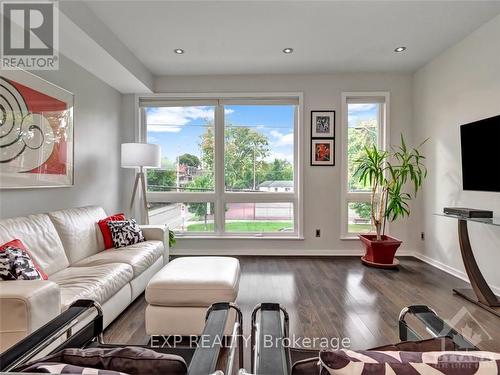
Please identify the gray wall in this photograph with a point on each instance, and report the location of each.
(460, 86)
(322, 185)
(97, 142)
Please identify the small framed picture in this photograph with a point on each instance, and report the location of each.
(322, 124)
(322, 152)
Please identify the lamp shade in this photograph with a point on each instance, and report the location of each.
(141, 155)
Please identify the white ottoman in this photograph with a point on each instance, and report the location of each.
(179, 294)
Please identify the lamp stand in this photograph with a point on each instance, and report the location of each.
(140, 179)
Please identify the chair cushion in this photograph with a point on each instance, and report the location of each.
(376, 362)
(429, 345)
(56, 368)
(140, 256)
(195, 281)
(129, 359)
(79, 232)
(98, 283)
(38, 235)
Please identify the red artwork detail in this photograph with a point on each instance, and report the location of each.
(48, 107)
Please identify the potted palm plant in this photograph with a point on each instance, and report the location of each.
(387, 173)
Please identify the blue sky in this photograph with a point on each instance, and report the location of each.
(360, 112)
(178, 129)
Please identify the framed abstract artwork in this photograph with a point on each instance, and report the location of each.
(36, 132)
(322, 124)
(322, 152)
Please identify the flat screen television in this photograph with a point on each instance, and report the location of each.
(480, 142)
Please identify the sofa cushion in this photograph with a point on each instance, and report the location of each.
(140, 256)
(97, 283)
(79, 232)
(39, 235)
(195, 281)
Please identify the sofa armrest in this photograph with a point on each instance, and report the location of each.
(26, 305)
(158, 233)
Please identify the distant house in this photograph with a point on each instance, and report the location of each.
(276, 186)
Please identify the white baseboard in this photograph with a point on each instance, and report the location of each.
(450, 270)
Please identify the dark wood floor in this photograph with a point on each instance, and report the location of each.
(339, 297)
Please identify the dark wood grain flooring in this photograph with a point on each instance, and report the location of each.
(339, 297)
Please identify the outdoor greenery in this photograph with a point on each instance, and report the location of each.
(189, 160)
(171, 238)
(244, 226)
(246, 153)
(387, 173)
(246, 159)
(364, 133)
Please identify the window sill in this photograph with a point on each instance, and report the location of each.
(349, 238)
(238, 237)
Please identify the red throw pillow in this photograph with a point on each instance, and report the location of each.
(106, 234)
(24, 263)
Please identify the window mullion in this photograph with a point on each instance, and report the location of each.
(219, 169)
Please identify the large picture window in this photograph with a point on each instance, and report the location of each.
(365, 123)
(230, 166)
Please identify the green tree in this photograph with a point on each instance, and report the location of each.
(245, 151)
(189, 160)
(363, 209)
(278, 170)
(362, 135)
(160, 179)
(200, 210)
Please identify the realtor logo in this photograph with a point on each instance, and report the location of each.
(30, 37)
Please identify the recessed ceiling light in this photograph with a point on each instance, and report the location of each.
(288, 50)
(179, 51)
(400, 49)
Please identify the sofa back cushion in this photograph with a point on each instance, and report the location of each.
(39, 235)
(79, 232)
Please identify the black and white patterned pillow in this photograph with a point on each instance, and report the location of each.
(125, 233)
(340, 362)
(16, 264)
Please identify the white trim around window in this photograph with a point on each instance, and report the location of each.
(219, 195)
(346, 196)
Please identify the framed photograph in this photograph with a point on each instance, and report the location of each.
(322, 152)
(36, 132)
(322, 124)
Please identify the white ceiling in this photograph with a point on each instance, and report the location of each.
(247, 37)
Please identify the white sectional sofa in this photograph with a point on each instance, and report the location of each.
(68, 246)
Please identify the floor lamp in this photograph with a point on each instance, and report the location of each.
(140, 155)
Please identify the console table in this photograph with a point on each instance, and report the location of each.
(480, 294)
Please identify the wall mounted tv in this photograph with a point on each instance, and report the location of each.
(480, 143)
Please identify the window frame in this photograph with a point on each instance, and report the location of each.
(383, 142)
(219, 196)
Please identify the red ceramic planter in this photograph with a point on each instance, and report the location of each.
(380, 253)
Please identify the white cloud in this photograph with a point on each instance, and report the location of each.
(281, 139)
(228, 111)
(361, 107)
(171, 119)
(164, 129)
